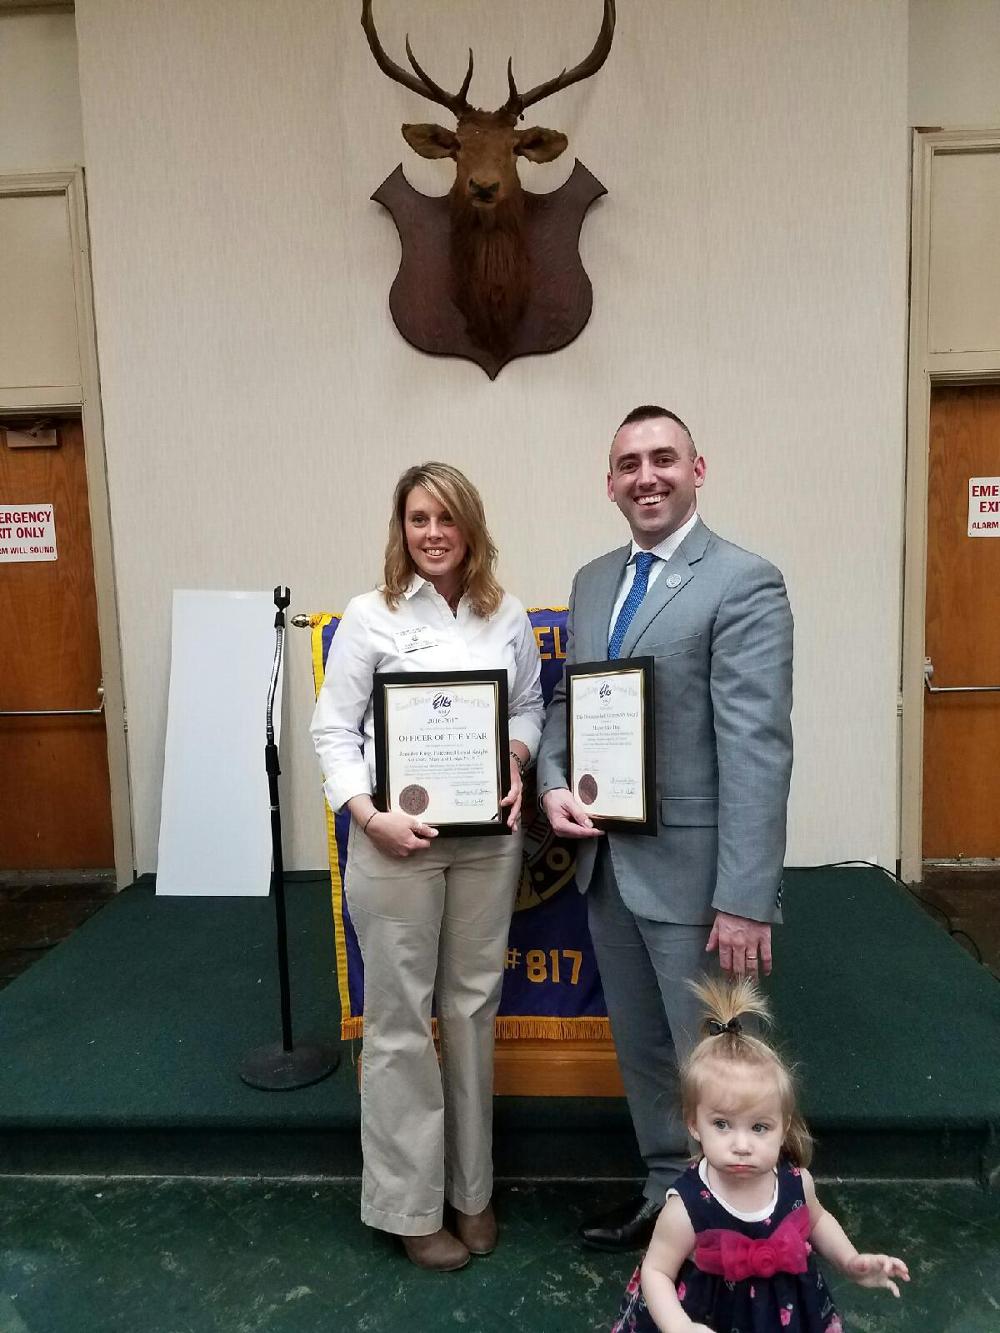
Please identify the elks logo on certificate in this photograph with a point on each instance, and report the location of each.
(441, 748)
(611, 742)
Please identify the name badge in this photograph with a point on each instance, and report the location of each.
(411, 640)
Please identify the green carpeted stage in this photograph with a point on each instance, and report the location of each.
(120, 1047)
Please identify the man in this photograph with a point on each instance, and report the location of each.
(717, 622)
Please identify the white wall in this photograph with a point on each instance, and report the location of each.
(40, 125)
(749, 267)
(955, 63)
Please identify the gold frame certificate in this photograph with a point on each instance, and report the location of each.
(611, 742)
(442, 749)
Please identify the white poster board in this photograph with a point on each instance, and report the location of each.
(984, 506)
(215, 822)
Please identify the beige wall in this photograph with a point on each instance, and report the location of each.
(749, 267)
(954, 63)
(40, 127)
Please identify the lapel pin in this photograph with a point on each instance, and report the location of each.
(673, 580)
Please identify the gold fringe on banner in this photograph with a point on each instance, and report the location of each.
(516, 1025)
(554, 1029)
(350, 1024)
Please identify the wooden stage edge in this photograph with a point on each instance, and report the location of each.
(539, 1068)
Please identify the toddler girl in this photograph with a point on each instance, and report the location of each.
(734, 1247)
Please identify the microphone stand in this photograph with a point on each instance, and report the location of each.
(282, 1065)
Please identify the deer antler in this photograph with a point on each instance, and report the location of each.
(423, 84)
(518, 102)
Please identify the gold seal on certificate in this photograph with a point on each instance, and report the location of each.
(610, 742)
(441, 748)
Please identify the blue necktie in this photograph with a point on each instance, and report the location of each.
(640, 582)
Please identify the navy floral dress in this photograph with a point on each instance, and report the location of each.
(744, 1277)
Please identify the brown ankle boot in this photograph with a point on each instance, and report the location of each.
(478, 1231)
(440, 1252)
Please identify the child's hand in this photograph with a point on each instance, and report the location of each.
(877, 1270)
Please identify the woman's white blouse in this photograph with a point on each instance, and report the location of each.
(372, 638)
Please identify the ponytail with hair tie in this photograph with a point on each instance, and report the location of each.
(717, 1029)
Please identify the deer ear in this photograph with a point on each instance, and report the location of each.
(539, 145)
(431, 140)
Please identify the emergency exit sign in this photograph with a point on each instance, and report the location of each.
(27, 532)
(984, 506)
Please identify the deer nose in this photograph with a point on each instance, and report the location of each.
(487, 193)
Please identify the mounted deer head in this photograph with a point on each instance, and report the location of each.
(491, 282)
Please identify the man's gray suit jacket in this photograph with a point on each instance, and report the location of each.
(718, 623)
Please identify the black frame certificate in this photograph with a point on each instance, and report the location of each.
(442, 748)
(611, 742)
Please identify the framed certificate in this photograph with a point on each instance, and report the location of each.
(611, 743)
(441, 748)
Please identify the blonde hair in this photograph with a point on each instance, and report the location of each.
(727, 1049)
(452, 490)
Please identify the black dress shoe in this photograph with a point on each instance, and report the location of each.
(628, 1227)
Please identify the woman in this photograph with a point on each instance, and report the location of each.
(431, 914)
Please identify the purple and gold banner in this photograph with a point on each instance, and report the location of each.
(551, 987)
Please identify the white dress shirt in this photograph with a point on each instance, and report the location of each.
(373, 638)
(663, 552)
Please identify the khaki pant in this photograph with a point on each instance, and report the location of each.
(431, 925)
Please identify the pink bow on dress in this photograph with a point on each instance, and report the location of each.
(735, 1256)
